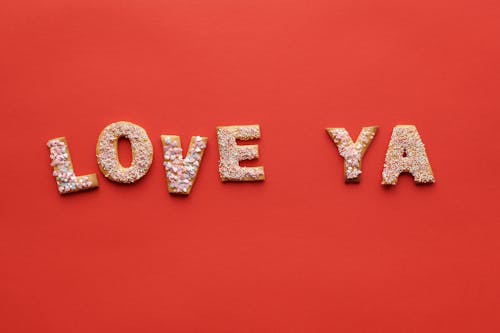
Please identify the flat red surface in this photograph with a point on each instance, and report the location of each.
(301, 252)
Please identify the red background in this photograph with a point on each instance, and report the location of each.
(301, 252)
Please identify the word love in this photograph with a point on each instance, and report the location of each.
(406, 153)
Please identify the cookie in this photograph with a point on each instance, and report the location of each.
(107, 152)
(352, 152)
(67, 181)
(406, 153)
(181, 172)
(231, 153)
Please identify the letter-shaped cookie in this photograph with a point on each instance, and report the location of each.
(231, 153)
(181, 173)
(406, 153)
(352, 152)
(107, 153)
(66, 179)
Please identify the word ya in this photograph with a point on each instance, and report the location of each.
(406, 153)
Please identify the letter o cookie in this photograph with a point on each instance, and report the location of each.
(107, 152)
